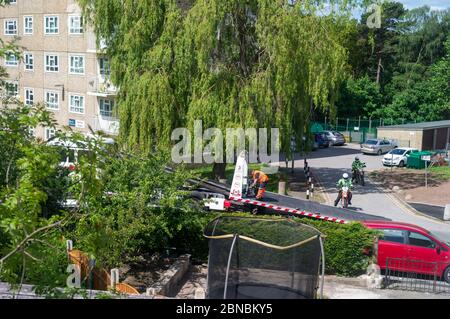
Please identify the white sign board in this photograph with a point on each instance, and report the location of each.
(240, 177)
(426, 158)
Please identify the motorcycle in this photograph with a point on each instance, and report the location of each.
(359, 176)
(344, 197)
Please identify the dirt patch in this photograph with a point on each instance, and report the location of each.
(145, 271)
(411, 185)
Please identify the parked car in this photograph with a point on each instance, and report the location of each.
(335, 137)
(413, 247)
(321, 140)
(398, 157)
(377, 146)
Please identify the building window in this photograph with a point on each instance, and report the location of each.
(76, 64)
(29, 61)
(52, 100)
(49, 133)
(11, 59)
(28, 25)
(29, 96)
(75, 25)
(76, 104)
(105, 69)
(51, 25)
(32, 131)
(106, 107)
(12, 89)
(51, 63)
(10, 27)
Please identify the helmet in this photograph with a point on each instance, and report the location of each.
(345, 176)
(356, 158)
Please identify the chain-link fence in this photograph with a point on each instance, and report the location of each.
(358, 130)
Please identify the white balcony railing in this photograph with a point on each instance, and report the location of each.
(100, 86)
(109, 125)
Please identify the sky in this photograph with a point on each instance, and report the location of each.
(411, 4)
(434, 4)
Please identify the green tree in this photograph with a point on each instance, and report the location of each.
(228, 63)
(360, 96)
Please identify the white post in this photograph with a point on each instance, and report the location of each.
(114, 277)
(447, 212)
(69, 245)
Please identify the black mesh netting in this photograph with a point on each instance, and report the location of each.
(270, 259)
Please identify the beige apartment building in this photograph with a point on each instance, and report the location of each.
(61, 65)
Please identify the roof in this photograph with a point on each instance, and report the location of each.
(418, 126)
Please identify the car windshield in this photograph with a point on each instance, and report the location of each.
(337, 133)
(371, 142)
(397, 151)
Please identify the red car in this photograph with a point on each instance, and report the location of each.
(414, 248)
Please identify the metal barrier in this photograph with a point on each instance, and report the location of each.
(415, 275)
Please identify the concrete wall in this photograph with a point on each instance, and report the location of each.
(404, 138)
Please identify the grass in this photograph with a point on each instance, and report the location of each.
(442, 172)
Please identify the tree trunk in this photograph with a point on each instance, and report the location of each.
(379, 70)
(219, 170)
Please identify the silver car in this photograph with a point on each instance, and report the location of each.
(377, 146)
(334, 137)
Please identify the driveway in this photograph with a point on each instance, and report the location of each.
(328, 165)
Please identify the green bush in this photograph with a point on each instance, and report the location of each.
(344, 245)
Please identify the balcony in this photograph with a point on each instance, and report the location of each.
(92, 44)
(101, 87)
(108, 125)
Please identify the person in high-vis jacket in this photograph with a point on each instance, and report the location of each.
(261, 179)
(344, 182)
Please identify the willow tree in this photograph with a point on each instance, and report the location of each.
(228, 63)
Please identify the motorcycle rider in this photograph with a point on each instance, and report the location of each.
(344, 182)
(356, 166)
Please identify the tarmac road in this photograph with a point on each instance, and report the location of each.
(328, 165)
